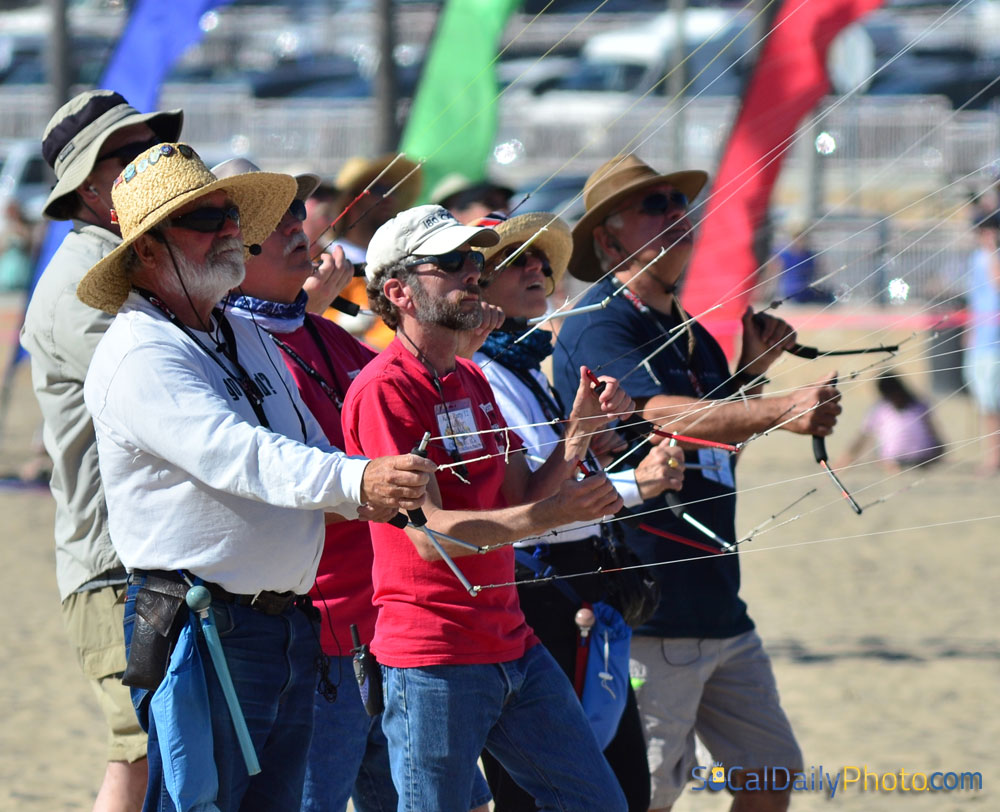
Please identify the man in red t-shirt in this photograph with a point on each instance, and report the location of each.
(464, 671)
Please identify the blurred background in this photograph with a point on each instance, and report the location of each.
(292, 85)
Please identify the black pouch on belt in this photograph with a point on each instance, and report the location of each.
(368, 673)
(159, 617)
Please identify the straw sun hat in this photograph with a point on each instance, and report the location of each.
(158, 183)
(556, 240)
(604, 190)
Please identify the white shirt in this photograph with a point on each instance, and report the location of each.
(192, 480)
(524, 414)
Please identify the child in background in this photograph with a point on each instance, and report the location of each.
(898, 427)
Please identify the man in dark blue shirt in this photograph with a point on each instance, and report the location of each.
(700, 665)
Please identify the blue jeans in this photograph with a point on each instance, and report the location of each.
(349, 755)
(272, 660)
(439, 718)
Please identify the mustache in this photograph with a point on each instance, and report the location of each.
(298, 240)
(223, 246)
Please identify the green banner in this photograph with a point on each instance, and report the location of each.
(453, 120)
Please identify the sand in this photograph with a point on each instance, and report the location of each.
(881, 627)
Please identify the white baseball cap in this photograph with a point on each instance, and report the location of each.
(422, 231)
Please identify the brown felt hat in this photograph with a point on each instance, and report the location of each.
(605, 189)
(162, 180)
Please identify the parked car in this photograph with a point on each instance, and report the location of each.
(25, 177)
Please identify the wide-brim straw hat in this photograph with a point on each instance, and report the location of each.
(358, 173)
(605, 189)
(157, 184)
(554, 238)
(77, 131)
(306, 182)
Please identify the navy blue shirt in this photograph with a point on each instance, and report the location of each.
(699, 598)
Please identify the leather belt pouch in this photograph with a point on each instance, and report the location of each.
(159, 617)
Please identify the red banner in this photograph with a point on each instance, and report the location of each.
(788, 81)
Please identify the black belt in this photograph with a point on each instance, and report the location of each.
(266, 601)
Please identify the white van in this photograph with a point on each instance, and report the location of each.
(717, 47)
(618, 66)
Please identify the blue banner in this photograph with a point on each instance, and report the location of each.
(155, 37)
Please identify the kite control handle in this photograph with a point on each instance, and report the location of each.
(417, 516)
(599, 385)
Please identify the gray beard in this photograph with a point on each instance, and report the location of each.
(211, 281)
(443, 312)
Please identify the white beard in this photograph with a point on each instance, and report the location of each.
(222, 271)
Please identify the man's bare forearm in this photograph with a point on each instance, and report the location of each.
(724, 421)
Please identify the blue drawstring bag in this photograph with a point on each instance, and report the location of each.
(606, 680)
(605, 686)
(180, 710)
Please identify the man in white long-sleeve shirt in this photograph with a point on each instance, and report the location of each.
(214, 470)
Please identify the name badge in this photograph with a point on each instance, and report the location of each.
(457, 425)
(717, 466)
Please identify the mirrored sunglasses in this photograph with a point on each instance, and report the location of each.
(452, 262)
(207, 220)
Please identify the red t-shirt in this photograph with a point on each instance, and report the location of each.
(343, 590)
(425, 615)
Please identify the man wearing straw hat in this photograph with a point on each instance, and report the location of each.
(462, 670)
(371, 191)
(87, 142)
(698, 664)
(214, 470)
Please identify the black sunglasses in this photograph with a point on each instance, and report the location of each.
(297, 209)
(129, 152)
(452, 262)
(659, 203)
(207, 220)
(521, 260)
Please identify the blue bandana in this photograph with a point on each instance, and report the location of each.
(276, 317)
(527, 354)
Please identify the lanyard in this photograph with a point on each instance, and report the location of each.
(228, 348)
(330, 388)
(687, 362)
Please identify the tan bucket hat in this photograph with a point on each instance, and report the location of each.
(306, 182)
(556, 240)
(76, 132)
(605, 188)
(159, 182)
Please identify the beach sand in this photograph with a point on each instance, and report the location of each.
(880, 626)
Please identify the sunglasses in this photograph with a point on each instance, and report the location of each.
(128, 153)
(452, 262)
(207, 220)
(521, 260)
(297, 209)
(659, 203)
